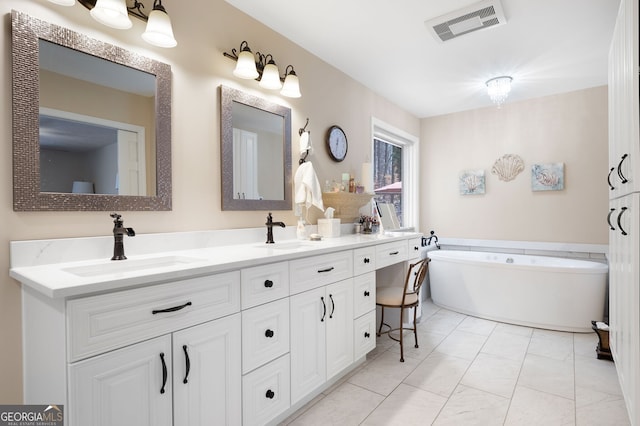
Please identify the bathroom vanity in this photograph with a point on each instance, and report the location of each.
(199, 335)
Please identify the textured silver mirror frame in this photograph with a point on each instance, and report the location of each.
(26, 31)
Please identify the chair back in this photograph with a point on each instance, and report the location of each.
(416, 275)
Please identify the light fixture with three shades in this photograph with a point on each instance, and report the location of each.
(265, 70)
(115, 14)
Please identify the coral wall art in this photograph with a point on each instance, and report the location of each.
(547, 177)
(472, 182)
(508, 167)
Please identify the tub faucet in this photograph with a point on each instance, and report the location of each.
(428, 240)
(270, 224)
(119, 231)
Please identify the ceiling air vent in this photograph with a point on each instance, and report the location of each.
(478, 16)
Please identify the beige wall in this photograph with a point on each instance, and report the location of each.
(204, 29)
(569, 128)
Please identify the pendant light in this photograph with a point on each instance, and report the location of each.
(112, 13)
(291, 87)
(270, 75)
(159, 31)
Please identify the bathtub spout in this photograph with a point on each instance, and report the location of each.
(427, 241)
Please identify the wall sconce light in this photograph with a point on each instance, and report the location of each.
(115, 14)
(265, 70)
(498, 89)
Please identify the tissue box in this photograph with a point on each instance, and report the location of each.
(329, 228)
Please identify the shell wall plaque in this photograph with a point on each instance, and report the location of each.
(508, 167)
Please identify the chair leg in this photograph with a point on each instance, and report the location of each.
(415, 329)
(401, 333)
(381, 320)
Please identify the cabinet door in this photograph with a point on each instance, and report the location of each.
(207, 377)
(624, 300)
(309, 316)
(339, 326)
(624, 144)
(126, 387)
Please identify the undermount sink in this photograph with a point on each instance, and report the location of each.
(128, 265)
(289, 245)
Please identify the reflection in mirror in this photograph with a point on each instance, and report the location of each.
(107, 147)
(92, 127)
(256, 152)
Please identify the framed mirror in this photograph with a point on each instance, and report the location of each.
(91, 123)
(255, 152)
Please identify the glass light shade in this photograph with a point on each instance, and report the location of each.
(112, 13)
(291, 87)
(246, 66)
(498, 89)
(159, 31)
(64, 2)
(270, 77)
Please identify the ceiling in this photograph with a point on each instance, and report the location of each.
(547, 46)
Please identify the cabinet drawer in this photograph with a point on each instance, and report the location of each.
(364, 260)
(364, 334)
(413, 248)
(265, 334)
(316, 271)
(390, 253)
(266, 392)
(364, 294)
(100, 323)
(264, 283)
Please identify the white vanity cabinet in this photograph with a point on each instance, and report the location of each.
(191, 376)
(321, 336)
(245, 340)
(265, 342)
(127, 353)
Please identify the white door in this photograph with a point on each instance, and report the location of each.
(308, 342)
(339, 326)
(207, 374)
(132, 179)
(126, 387)
(245, 165)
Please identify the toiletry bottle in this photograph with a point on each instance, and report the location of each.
(301, 230)
(352, 184)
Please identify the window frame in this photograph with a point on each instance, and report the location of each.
(410, 159)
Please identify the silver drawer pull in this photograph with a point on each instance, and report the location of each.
(173, 309)
(326, 270)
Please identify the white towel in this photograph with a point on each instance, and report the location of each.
(307, 189)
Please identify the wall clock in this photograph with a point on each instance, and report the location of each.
(337, 143)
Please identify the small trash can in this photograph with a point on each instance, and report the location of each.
(602, 330)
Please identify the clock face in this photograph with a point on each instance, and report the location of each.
(337, 143)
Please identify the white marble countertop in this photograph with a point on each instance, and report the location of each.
(68, 268)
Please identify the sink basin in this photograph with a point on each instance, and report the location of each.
(120, 266)
(289, 245)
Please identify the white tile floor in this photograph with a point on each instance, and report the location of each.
(470, 371)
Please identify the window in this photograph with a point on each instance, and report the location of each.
(395, 171)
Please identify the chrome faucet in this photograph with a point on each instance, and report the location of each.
(427, 241)
(270, 224)
(118, 235)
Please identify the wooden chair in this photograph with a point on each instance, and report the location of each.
(406, 297)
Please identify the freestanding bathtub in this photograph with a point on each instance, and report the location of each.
(535, 291)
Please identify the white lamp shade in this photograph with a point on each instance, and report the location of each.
(291, 87)
(82, 187)
(112, 13)
(270, 77)
(159, 31)
(64, 2)
(246, 66)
